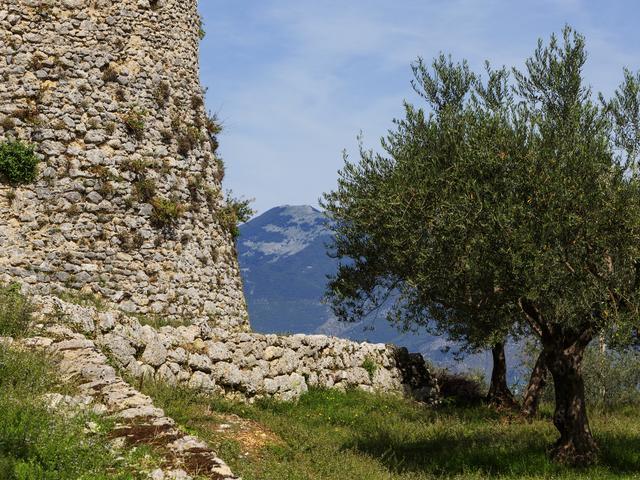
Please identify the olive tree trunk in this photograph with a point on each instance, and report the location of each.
(576, 445)
(499, 393)
(535, 388)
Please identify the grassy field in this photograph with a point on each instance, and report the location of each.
(354, 435)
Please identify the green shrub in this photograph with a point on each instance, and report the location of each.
(611, 377)
(462, 389)
(134, 121)
(18, 162)
(235, 212)
(166, 213)
(145, 189)
(15, 311)
(370, 366)
(22, 372)
(137, 166)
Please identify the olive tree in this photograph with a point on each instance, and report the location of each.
(510, 205)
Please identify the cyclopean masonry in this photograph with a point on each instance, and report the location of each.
(128, 201)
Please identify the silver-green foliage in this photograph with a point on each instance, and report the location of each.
(510, 203)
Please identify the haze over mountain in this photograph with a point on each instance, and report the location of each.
(284, 267)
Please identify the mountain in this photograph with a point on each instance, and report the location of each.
(284, 265)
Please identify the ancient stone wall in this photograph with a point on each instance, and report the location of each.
(128, 200)
(128, 205)
(245, 366)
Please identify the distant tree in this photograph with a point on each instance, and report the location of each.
(511, 207)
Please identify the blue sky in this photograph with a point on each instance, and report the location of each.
(295, 81)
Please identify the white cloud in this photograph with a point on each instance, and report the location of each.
(299, 79)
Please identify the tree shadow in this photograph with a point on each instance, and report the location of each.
(511, 449)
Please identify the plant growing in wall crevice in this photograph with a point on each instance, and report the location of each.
(166, 213)
(162, 93)
(194, 185)
(201, 32)
(28, 114)
(109, 74)
(134, 121)
(370, 366)
(214, 128)
(220, 169)
(18, 163)
(188, 139)
(7, 124)
(234, 212)
(145, 189)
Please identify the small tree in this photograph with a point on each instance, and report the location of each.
(513, 207)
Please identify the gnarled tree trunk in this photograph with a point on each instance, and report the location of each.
(533, 392)
(576, 445)
(499, 393)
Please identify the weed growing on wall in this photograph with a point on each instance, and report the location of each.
(370, 366)
(235, 212)
(134, 121)
(18, 162)
(166, 213)
(15, 311)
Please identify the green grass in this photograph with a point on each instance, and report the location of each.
(354, 435)
(84, 299)
(37, 443)
(15, 311)
(158, 321)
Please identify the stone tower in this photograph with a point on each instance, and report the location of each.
(128, 201)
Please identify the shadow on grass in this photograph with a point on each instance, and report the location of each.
(493, 449)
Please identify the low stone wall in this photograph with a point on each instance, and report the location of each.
(246, 366)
